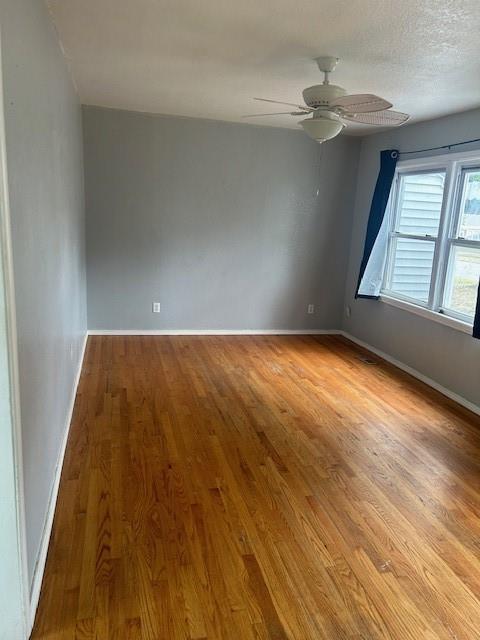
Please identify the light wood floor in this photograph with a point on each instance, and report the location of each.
(262, 488)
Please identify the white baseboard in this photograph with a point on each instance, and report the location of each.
(211, 332)
(416, 374)
(47, 529)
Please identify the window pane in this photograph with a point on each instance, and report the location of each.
(462, 280)
(420, 203)
(412, 268)
(470, 206)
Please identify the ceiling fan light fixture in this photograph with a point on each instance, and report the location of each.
(322, 128)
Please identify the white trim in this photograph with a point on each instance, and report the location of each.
(423, 312)
(416, 374)
(47, 529)
(11, 331)
(210, 332)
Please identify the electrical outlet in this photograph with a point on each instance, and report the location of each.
(156, 307)
(348, 311)
(311, 308)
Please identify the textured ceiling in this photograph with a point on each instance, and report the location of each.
(207, 58)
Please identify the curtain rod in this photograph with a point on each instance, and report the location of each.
(445, 146)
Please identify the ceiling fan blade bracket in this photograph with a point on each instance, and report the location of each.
(276, 113)
(287, 104)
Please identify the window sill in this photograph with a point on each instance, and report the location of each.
(427, 313)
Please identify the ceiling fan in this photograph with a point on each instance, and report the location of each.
(330, 106)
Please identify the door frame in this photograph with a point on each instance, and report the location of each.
(8, 294)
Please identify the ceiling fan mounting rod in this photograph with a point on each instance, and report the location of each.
(326, 64)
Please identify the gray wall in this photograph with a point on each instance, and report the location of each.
(228, 226)
(44, 157)
(446, 355)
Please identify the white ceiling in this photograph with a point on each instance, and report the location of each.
(208, 58)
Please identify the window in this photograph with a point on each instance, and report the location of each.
(433, 255)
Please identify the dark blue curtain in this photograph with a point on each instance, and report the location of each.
(388, 162)
(476, 320)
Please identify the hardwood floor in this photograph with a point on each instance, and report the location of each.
(273, 487)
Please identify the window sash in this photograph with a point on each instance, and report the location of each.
(452, 239)
(450, 265)
(394, 213)
(460, 200)
(392, 248)
(455, 167)
(398, 197)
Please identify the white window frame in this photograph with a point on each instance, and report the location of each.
(454, 166)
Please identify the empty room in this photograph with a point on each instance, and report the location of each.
(239, 320)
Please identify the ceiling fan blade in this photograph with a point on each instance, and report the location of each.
(361, 103)
(278, 113)
(288, 104)
(385, 118)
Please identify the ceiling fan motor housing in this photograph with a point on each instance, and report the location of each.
(321, 95)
